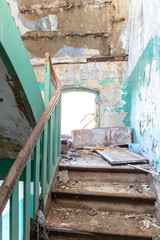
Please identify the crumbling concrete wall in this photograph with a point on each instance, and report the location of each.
(144, 77)
(73, 27)
(73, 31)
(109, 78)
(14, 125)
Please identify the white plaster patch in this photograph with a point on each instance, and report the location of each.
(13, 5)
(112, 119)
(148, 110)
(147, 71)
(54, 22)
(125, 36)
(49, 23)
(93, 52)
(145, 25)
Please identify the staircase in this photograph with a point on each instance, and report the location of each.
(101, 202)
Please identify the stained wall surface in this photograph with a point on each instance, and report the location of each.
(73, 32)
(108, 78)
(74, 27)
(144, 78)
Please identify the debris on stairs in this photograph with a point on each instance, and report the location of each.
(116, 155)
(65, 145)
(102, 199)
(38, 227)
(101, 137)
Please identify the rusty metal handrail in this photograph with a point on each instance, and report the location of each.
(18, 166)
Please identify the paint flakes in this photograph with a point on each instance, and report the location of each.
(106, 81)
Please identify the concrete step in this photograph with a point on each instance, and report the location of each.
(66, 223)
(105, 174)
(105, 196)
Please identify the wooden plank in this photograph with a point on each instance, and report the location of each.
(118, 155)
(26, 230)
(14, 213)
(101, 136)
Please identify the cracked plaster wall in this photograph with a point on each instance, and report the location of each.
(107, 78)
(72, 31)
(144, 77)
(144, 24)
(73, 28)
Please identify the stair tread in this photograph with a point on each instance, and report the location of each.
(67, 165)
(85, 160)
(93, 221)
(126, 190)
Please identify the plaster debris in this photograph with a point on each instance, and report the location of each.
(63, 176)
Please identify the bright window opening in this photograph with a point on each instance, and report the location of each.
(79, 110)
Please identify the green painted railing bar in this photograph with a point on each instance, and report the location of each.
(50, 149)
(14, 210)
(54, 123)
(11, 41)
(44, 161)
(55, 136)
(36, 178)
(0, 228)
(26, 214)
(44, 141)
(59, 128)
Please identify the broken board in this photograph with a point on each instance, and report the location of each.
(117, 155)
(101, 137)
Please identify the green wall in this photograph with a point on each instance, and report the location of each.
(16, 59)
(144, 101)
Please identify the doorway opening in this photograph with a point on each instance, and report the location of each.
(80, 110)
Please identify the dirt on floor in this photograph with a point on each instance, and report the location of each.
(103, 187)
(100, 221)
(89, 159)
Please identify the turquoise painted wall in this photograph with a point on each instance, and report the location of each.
(15, 57)
(144, 101)
(5, 221)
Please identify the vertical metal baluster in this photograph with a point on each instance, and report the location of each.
(44, 161)
(36, 178)
(50, 147)
(26, 231)
(59, 128)
(14, 213)
(47, 129)
(55, 137)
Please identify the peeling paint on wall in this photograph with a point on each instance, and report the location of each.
(145, 24)
(48, 23)
(105, 81)
(109, 78)
(73, 28)
(145, 100)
